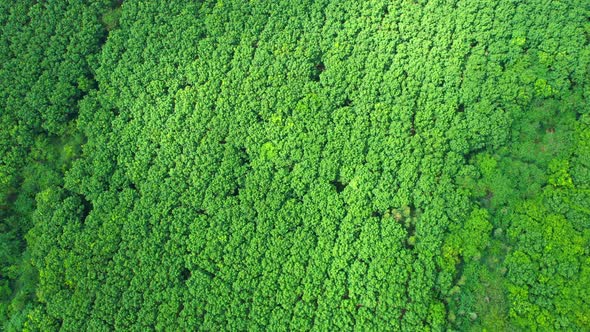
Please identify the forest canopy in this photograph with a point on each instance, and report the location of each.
(406, 165)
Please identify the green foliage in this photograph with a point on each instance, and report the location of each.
(314, 165)
(44, 71)
(548, 268)
(111, 18)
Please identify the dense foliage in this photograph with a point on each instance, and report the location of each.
(295, 165)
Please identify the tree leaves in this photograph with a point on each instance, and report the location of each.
(313, 165)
